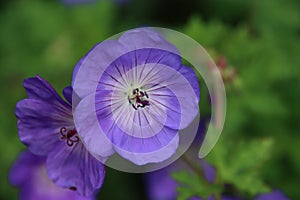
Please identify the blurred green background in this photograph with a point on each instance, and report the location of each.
(259, 39)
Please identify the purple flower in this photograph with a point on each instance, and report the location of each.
(135, 95)
(275, 194)
(29, 174)
(46, 126)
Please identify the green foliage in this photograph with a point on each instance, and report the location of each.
(239, 163)
(192, 185)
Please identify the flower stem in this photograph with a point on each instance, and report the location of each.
(196, 169)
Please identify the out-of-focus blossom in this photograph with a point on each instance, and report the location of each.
(46, 126)
(228, 73)
(139, 95)
(29, 174)
(273, 195)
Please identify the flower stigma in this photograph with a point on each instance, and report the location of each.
(138, 98)
(70, 136)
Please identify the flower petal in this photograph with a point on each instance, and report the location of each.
(191, 77)
(74, 168)
(22, 168)
(39, 88)
(160, 155)
(93, 65)
(89, 130)
(68, 92)
(39, 124)
(29, 175)
(142, 38)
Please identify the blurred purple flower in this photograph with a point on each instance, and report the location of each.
(140, 94)
(273, 195)
(29, 174)
(46, 126)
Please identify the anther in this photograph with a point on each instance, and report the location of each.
(70, 136)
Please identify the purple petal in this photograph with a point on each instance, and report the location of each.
(39, 123)
(74, 168)
(209, 171)
(157, 156)
(93, 65)
(22, 168)
(191, 77)
(29, 175)
(160, 185)
(68, 92)
(89, 130)
(39, 88)
(142, 38)
(275, 194)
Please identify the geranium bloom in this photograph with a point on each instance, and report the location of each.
(135, 95)
(46, 126)
(29, 174)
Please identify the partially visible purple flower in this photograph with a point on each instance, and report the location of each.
(29, 174)
(135, 97)
(274, 195)
(46, 126)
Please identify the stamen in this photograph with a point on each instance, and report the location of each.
(70, 136)
(138, 99)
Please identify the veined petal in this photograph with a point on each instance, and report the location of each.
(39, 123)
(142, 38)
(39, 88)
(89, 130)
(74, 168)
(93, 65)
(151, 157)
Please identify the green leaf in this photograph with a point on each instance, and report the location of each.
(191, 185)
(239, 163)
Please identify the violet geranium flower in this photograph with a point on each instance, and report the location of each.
(135, 95)
(46, 126)
(29, 174)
